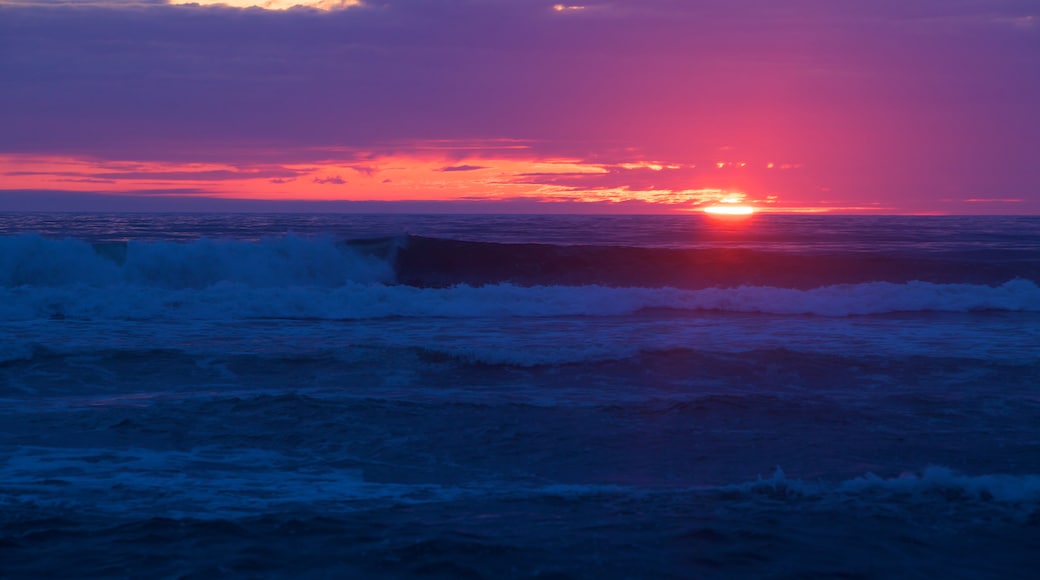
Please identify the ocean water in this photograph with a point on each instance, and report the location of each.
(390, 396)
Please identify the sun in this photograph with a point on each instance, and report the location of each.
(729, 209)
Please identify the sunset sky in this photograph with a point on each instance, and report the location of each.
(627, 106)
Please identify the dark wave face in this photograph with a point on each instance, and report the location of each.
(439, 262)
(519, 396)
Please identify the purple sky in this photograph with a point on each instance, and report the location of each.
(647, 105)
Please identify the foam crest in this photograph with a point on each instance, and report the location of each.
(997, 487)
(30, 260)
(933, 480)
(278, 262)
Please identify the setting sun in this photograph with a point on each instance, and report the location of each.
(729, 209)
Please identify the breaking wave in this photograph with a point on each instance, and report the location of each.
(933, 480)
(31, 260)
(319, 278)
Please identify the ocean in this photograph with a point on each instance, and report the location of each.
(396, 396)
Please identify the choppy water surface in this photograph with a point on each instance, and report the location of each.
(519, 396)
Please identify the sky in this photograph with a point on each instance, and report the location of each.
(615, 106)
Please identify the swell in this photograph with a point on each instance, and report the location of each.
(324, 279)
(151, 375)
(294, 261)
(354, 301)
(432, 262)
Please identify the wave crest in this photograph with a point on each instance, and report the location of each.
(30, 260)
(318, 278)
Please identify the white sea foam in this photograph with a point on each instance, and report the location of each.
(933, 480)
(195, 483)
(33, 261)
(997, 487)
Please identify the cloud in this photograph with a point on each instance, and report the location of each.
(275, 4)
(86, 170)
(58, 200)
(883, 98)
(210, 175)
(451, 168)
(105, 4)
(994, 200)
(334, 180)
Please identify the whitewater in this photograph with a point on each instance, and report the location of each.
(519, 396)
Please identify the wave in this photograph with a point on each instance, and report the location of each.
(293, 261)
(31, 260)
(431, 262)
(343, 489)
(355, 301)
(322, 279)
(934, 480)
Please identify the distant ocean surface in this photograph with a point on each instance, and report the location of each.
(394, 396)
